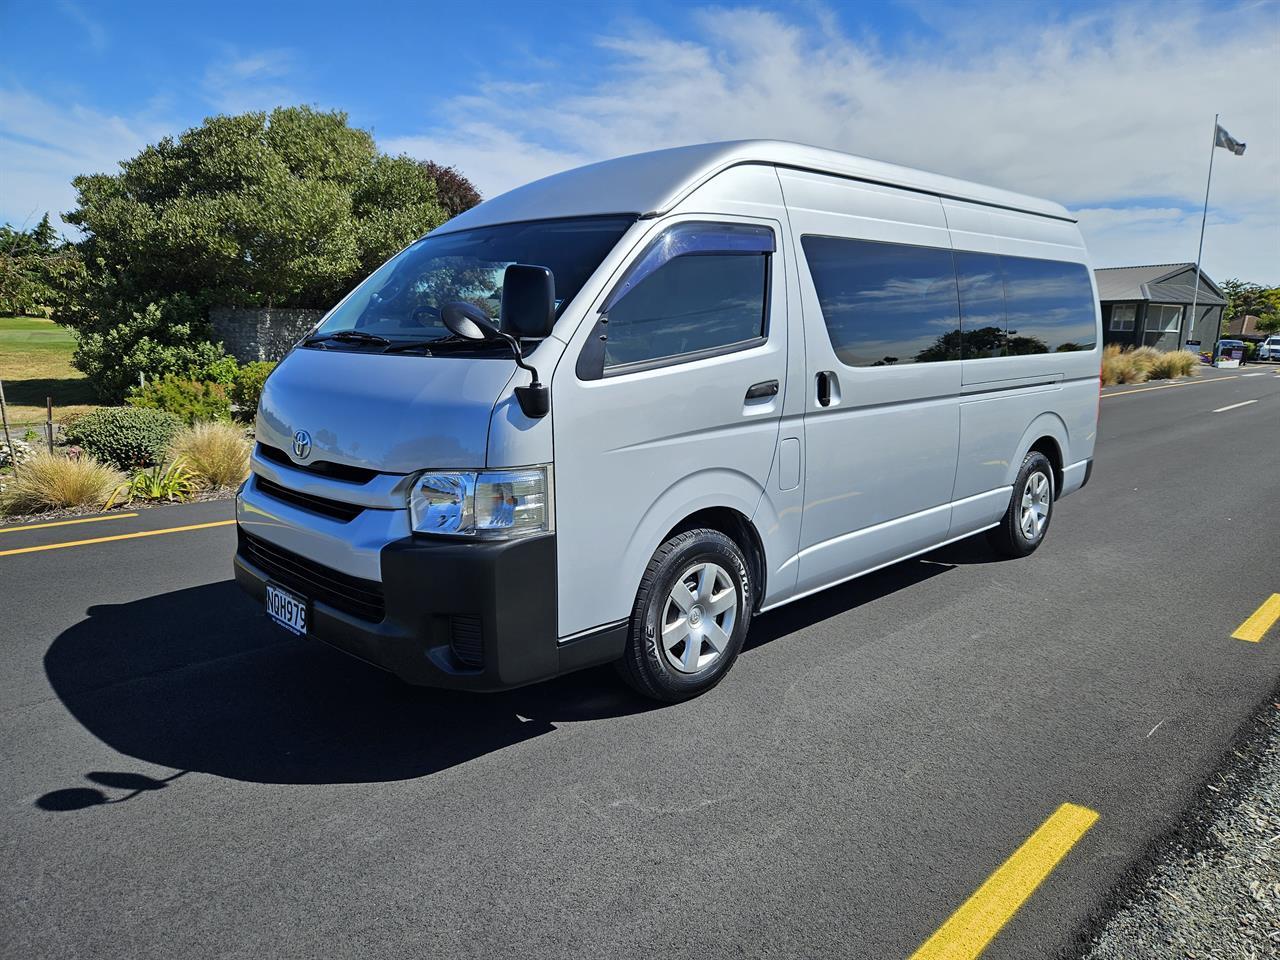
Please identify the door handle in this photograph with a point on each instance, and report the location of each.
(765, 388)
(826, 381)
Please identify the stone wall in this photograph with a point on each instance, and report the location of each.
(260, 333)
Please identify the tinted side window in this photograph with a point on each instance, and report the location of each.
(982, 319)
(1049, 306)
(688, 304)
(885, 303)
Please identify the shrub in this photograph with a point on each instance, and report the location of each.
(190, 400)
(1127, 365)
(52, 482)
(117, 342)
(127, 437)
(223, 371)
(1175, 363)
(217, 454)
(1118, 366)
(247, 389)
(159, 483)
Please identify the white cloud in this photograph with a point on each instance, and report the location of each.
(1106, 113)
(45, 145)
(257, 81)
(95, 32)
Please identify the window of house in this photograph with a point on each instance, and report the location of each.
(1123, 316)
(699, 287)
(1162, 318)
(885, 303)
(1049, 306)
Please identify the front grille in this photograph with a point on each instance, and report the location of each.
(333, 509)
(324, 468)
(314, 581)
(467, 641)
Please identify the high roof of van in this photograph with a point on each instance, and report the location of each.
(649, 184)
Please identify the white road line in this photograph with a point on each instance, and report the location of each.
(1234, 406)
(1247, 375)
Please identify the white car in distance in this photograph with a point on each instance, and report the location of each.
(1269, 349)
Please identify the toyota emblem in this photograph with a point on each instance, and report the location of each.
(302, 444)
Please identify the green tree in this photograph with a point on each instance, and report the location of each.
(1252, 299)
(33, 264)
(287, 209)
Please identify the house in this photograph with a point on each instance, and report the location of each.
(1243, 328)
(1151, 306)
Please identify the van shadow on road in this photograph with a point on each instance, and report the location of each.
(196, 680)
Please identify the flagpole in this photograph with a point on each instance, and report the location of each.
(1195, 295)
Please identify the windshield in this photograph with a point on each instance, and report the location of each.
(401, 301)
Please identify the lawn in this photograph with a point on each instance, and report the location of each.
(35, 362)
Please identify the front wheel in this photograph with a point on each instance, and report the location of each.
(690, 617)
(1026, 521)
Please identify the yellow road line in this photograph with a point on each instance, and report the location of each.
(968, 931)
(64, 523)
(119, 536)
(1260, 621)
(1170, 386)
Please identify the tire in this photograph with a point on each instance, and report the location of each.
(1025, 523)
(683, 641)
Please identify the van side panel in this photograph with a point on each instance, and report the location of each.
(1007, 399)
(881, 455)
(637, 452)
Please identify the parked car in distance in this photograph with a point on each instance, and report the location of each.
(1269, 349)
(769, 368)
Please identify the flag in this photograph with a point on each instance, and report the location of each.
(1223, 139)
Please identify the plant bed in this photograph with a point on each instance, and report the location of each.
(200, 463)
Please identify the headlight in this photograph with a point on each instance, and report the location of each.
(493, 504)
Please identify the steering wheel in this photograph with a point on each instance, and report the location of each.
(425, 316)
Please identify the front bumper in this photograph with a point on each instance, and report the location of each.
(468, 615)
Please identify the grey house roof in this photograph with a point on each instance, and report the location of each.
(1158, 283)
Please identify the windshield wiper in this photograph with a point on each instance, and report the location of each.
(346, 336)
(425, 346)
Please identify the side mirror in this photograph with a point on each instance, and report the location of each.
(468, 321)
(528, 301)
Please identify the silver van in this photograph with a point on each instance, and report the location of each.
(614, 414)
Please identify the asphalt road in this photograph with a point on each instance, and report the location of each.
(181, 779)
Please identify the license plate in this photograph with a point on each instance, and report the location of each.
(287, 609)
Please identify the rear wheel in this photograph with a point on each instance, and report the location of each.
(690, 616)
(1026, 522)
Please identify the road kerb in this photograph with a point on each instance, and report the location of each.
(1260, 621)
(119, 536)
(972, 927)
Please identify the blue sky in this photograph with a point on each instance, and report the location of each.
(1105, 107)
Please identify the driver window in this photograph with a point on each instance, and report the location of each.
(689, 304)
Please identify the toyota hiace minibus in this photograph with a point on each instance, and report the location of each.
(614, 414)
